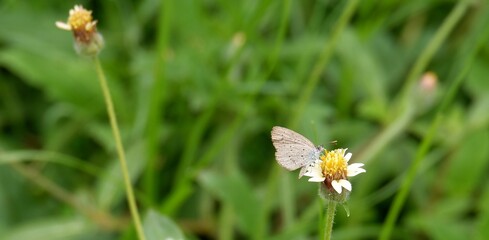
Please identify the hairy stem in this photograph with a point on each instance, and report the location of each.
(120, 149)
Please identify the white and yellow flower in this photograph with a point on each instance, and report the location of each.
(333, 170)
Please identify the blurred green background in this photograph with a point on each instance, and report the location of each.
(197, 87)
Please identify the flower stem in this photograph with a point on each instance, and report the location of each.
(328, 227)
(120, 149)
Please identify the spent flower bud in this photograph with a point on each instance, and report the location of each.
(88, 41)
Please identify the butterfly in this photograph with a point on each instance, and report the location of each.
(294, 151)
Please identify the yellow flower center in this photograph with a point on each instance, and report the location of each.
(333, 165)
(80, 18)
(81, 24)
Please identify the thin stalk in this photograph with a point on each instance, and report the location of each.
(328, 226)
(120, 149)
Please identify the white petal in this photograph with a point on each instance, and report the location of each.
(346, 184)
(316, 179)
(354, 173)
(64, 26)
(356, 165)
(347, 157)
(355, 169)
(313, 171)
(336, 185)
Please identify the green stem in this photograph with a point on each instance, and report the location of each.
(328, 226)
(120, 149)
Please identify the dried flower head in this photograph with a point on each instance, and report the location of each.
(87, 40)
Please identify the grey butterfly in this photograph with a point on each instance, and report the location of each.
(293, 150)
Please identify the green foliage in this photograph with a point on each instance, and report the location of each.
(158, 226)
(197, 87)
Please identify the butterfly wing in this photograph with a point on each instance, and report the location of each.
(292, 149)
